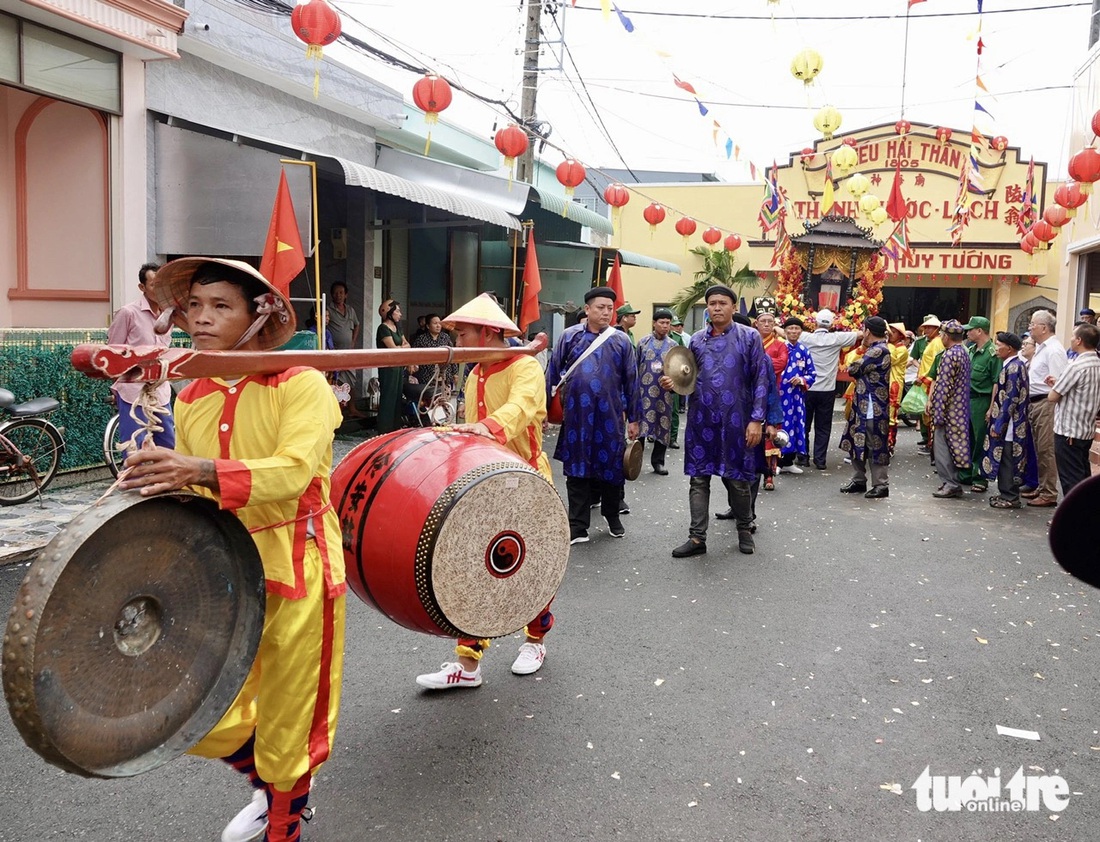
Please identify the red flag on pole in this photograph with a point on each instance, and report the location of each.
(615, 283)
(284, 257)
(532, 284)
(895, 205)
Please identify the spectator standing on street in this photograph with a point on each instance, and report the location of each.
(1076, 399)
(134, 324)
(926, 349)
(824, 348)
(1004, 450)
(676, 334)
(867, 436)
(343, 322)
(950, 411)
(1087, 314)
(725, 419)
(627, 318)
(798, 376)
(1046, 366)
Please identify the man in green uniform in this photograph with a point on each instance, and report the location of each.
(985, 368)
(627, 317)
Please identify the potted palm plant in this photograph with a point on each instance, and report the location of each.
(718, 268)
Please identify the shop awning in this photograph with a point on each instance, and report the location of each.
(359, 175)
(572, 210)
(632, 258)
(628, 258)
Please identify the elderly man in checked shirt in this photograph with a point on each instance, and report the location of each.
(1076, 399)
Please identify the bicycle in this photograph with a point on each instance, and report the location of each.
(113, 455)
(30, 448)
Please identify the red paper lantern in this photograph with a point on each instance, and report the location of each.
(733, 242)
(1000, 143)
(616, 195)
(1043, 231)
(943, 135)
(654, 214)
(1056, 215)
(431, 94)
(511, 142)
(318, 25)
(685, 227)
(1030, 239)
(903, 127)
(850, 141)
(1070, 196)
(712, 236)
(1026, 246)
(570, 173)
(1084, 168)
(807, 156)
(1096, 123)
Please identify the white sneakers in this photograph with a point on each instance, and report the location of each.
(450, 677)
(250, 823)
(529, 659)
(790, 469)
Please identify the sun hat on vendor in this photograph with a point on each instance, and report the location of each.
(274, 322)
(482, 311)
(899, 329)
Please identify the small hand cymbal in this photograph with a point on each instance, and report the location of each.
(679, 365)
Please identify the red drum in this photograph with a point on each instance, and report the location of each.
(449, 533)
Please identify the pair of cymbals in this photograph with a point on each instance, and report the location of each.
(680, 367)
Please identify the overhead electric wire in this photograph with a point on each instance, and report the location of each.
(770, 18)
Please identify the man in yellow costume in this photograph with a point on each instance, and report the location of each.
(505, 402)
(929, 349)
(261, 446)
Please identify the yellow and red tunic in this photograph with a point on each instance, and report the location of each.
(509, 397)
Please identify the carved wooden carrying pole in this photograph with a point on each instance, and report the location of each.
(153, 363)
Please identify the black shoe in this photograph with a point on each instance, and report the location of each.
(579, 537)
(674, 446)
(853, 487)
(821, 466)
(877, 492)
(624, 509)
(726, 515)
(690, 548)
(615, 527)
(745, 541)
(660, 471)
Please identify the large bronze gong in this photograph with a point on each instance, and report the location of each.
(132, 633)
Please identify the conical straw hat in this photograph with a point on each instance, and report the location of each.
(483, 311)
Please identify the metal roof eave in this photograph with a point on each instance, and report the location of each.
(573, 211)
(360, 175)
(629, 258)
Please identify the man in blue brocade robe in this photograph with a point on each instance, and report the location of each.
(949, 406)
(867, 434)
(725, 418)
(798, 377)
(657, 404)
(1008, 434)
(597, 396)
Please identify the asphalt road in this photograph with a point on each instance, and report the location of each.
(797, 693)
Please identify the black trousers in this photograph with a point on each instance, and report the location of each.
(582, 492)
(819, 417)
(1072, 458)
(657, 459)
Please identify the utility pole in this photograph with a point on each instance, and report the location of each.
(525, 169)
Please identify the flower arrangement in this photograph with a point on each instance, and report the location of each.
(864, 303)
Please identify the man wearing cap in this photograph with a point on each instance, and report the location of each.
(824, 348)
(985, 368)
(950, 410)
(725, 420)
(798, 376)
(627, 317)
(1004, 449)
(927, 347)
(1087, 314)
(676, 334)
(506, 403)
(261, 446)
(135, 324)
(867, 435)
(1046, 366)
(599, 391)
(1076, 398)
(899, 359)
(657, 403)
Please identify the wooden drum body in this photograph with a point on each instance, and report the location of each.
(449, 533)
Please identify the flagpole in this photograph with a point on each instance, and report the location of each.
(316, 251)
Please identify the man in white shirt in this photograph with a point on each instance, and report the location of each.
(1047, 365)
(1076, 400)
(824, 347)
